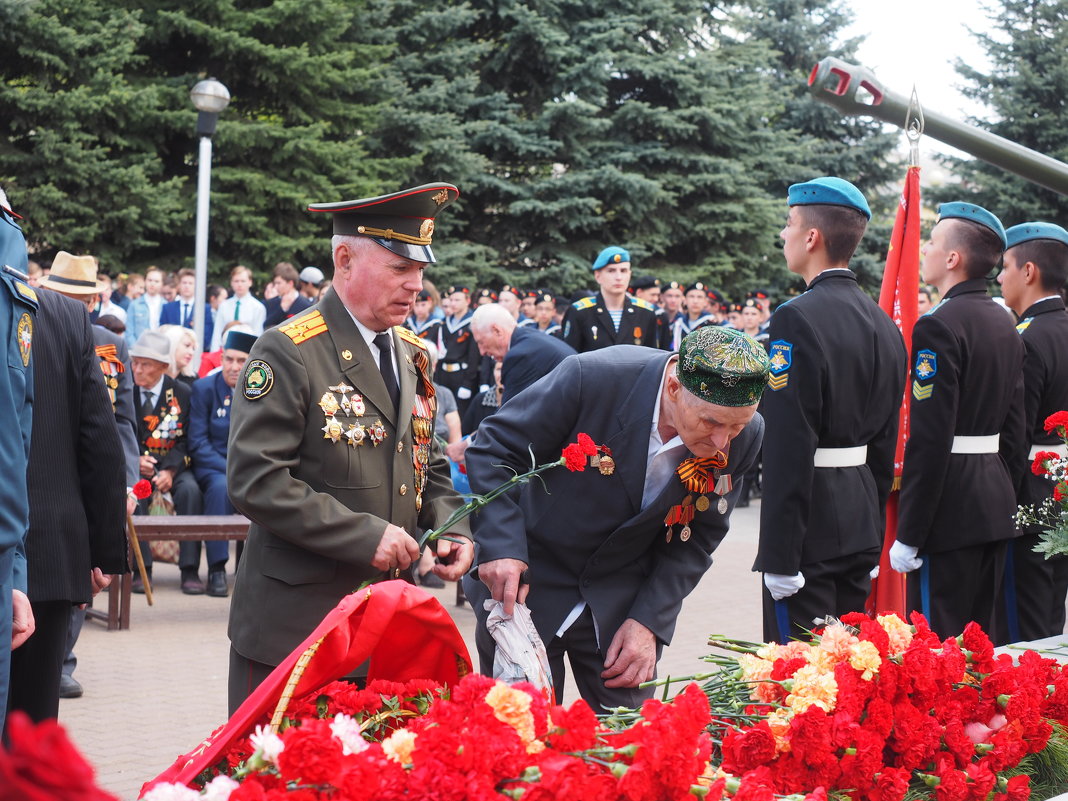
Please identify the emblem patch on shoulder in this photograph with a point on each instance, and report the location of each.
(259, 378)
(926, 365)
(25, 335)
(781, 356)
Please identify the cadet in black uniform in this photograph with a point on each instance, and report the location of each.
(611, 317)
(647, 288)
(838, 373)
(422, 321)
(966, 430)
(1035, 271)
(458, 365)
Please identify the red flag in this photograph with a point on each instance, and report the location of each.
(418, 639)
(898, 298)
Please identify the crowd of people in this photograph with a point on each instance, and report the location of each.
(343, 416)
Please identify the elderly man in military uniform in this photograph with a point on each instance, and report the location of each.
(967, 439)
(1034, 273)
(332, 453)
(18, 305)
(838, 367)
(610, 553)
(611, 317)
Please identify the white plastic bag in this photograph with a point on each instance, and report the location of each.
(520, 654)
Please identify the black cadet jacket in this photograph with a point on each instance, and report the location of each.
(838, 376)
(588, 324)
(967, 380)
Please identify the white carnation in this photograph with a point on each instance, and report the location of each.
(348, 731)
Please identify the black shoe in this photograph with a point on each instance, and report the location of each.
(69, 687)
(191, 583)
(432, 580)
(217, 584)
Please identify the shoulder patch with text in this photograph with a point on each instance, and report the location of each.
(259, 378)
(781, 353)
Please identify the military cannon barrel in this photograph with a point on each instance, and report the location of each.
(855, 90)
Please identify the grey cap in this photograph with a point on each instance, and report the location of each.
(312, 275)
(153, 345)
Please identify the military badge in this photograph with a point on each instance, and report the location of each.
(926, 365)
(25, 337)
(921, 392)
(376, 432)
(1024, 325)
(782, 357)
(332, 430)
(328, 403)
(259, 378)
(356, 434)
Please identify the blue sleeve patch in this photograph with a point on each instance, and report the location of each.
(781, 356)
(926, 365)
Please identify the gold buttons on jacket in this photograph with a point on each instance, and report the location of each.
(403, 489)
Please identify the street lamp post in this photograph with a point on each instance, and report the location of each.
(210, 97)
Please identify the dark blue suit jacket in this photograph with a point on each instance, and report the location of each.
(209, 425)
(171, 314)
(531, 355)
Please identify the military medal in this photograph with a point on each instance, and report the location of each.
(376, 432)
(357, 405)
(328, 403)
(684, 535)
(682, 513)
(723, 486)
(332, 430)
(702, 503)
(356, 434)
(603, 461)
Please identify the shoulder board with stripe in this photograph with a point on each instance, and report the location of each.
(409, 337)
(1024, 325)
(641, 303)
(305, 327)
(585, 303)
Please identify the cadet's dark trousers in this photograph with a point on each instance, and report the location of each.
(1032, 594)
(956, 587)
(37, 664)
(832, 587)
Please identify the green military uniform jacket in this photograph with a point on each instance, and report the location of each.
(304, 467)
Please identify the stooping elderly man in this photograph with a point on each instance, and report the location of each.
(605, 557)
(332, 456)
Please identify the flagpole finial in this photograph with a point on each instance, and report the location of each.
(914, 127)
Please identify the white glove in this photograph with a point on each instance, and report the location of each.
(874, 574)
(463, 393)
(903, 557)
(783, 586)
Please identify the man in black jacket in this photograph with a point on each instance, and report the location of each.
(76, 482)
(966, 433)
(1035, 271)
(838, 369)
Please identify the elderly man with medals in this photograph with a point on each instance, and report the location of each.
(604, 558)
(331, 452)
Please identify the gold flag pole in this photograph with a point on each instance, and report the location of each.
(136, 545)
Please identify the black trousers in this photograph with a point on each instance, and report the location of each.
(37, 664)
(1032, 593)
(832, 587)
(956, 587)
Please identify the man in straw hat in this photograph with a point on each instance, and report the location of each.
(332, 455)
(605, 560)
(77, 482)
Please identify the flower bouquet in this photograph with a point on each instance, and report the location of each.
(1051, 514)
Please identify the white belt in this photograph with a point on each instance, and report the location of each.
(450, 367)
(840, 457)
(985, 444)
(1060, 450)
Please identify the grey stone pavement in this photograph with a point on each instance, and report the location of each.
(156, 690)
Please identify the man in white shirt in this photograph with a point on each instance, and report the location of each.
(239, 306)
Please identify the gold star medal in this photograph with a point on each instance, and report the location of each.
(332, 430)
(328, 403)
(356, 434)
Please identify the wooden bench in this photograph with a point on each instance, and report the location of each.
(184, 528)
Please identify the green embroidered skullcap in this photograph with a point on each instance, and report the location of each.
(723, 366)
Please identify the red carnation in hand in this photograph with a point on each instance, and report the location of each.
(1058, 421)
(142, 489)
(574, 458)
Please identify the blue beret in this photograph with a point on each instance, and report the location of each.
(828, 191)
(1026, 232)
(239, 340)
(976, 214)
(610, 255)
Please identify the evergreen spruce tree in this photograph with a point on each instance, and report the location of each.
(858, 149)
(1024, 89)
(570, 126)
